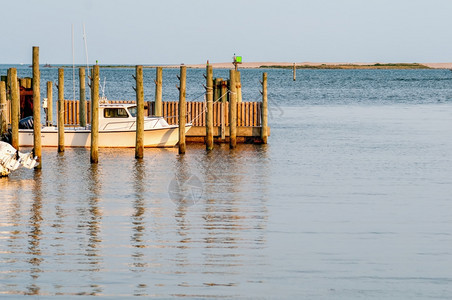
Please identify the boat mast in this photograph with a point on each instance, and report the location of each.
(73, 65)
(86, 54)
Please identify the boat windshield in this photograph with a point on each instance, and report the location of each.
(133, 111)
(115, 113)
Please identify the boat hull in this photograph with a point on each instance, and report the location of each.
(79, 137)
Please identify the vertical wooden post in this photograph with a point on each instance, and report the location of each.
(264, 111)
(139, 146)
(3, 108)
(224, 90)
(60, 87)
(15, 108)
(182, 108)
(82, 103)
(233, 110)
(209, 116)
(95, 116)
(49, 114)
(37, 108)
(239, 86)
(158, 111)
(294, 72)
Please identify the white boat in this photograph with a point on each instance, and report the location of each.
(11, 159)
(117, 123)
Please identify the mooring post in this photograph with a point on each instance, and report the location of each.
(82, 102)
(294, 71)
(60, 87)
(182, 108)
(15, 108)
(209, 116)
(139, 144)
(239, 86)
(95, 116)
(49, 113)
(224, 100)
(3, 108)
(37, 108)
(264, 110)
(232, 109)
(158, 111)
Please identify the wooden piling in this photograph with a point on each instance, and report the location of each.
(294, 72)
(264, 110)
(158, 111)
(15, 108)
(139, 146)
(60, 87)
(37, 108)
(3, 108)
(182, 109)
(95, 116)
(239, 86)
(232, 110)
(82, 104)
(49, 113)
(209, 116)
(224, 90)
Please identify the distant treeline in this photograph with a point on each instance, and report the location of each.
(354, 66)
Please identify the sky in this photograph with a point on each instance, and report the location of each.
(193, 31)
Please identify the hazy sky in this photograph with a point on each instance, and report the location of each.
(191, 31)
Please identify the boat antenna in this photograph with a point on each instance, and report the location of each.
(86, 54)
(73, 65)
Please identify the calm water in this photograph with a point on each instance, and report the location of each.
(349, 200)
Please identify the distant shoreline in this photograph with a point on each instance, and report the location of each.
(301, 65)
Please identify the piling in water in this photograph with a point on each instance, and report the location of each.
(49, 113)
(95, 116)
(264, 110)
(139, 146)
(37, 108)
(238, 81)
(209, 115)
(3, 108)
(158, 111)
(60, 87)
(182, 108)
(15, 108)
(224, 99)
(82, 104)
(232, 110)
(294, 72)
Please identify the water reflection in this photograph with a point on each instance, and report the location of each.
(229, 223)
(139, 263)
(95, 218)
(34, 236)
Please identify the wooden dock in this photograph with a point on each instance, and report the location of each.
(248, 118)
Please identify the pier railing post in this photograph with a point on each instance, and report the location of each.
(158, 111)
(37, 108)
(182, 109)
(15, 108)
(139, 146)
(264, 110)
(3, 108)
(49, 113)
(209, 116)
(82, 103)
(233, 110)
(60, 87)
(95, 116)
